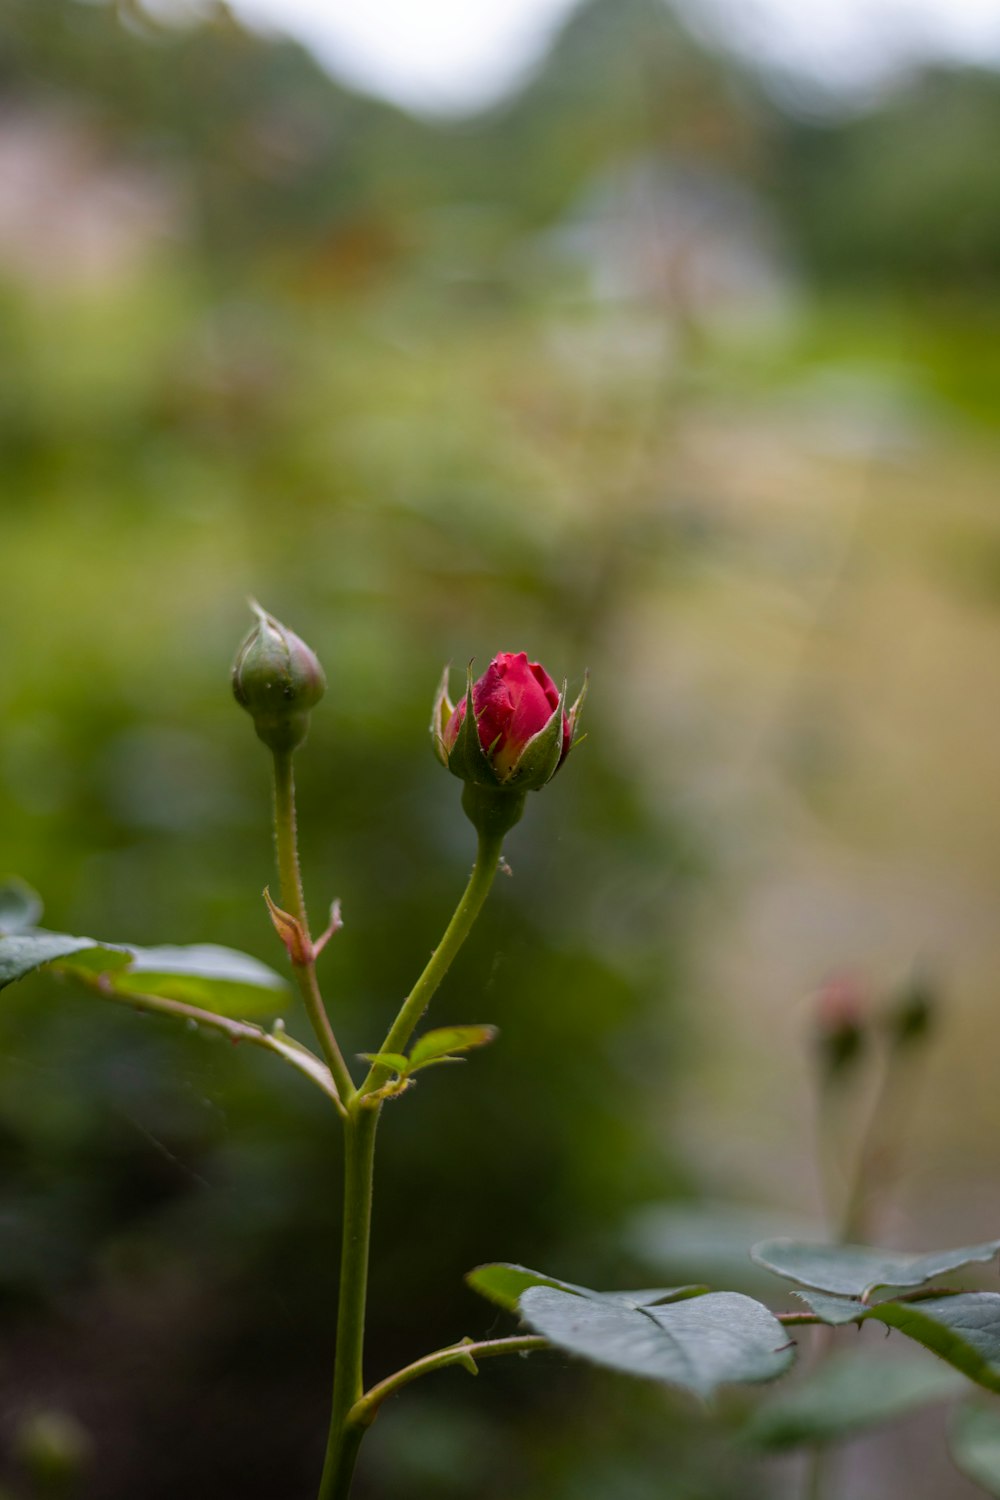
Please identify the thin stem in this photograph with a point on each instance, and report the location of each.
(465, 1352)
(348, 1376)
(293, 899)
(360, 1129)
(416, 1002)
(872, 1161)
(920, 1294)
(815, 1474)
(286, 1047)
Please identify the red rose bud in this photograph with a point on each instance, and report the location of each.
(524, 728)
(277, 679)
(841, 1020)
(508, 736)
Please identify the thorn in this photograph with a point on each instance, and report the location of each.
(335, 924)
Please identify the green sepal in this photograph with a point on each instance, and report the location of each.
(467, 759)
(573, 713)
(440, 714)
(539, 760)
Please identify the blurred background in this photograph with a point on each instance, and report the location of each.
(655, 340)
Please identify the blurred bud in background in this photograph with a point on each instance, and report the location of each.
(911, 1015)
(840, 1026)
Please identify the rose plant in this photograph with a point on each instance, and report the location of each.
(507, 736)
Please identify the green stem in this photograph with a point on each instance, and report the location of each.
(465, 1353)
(361, 1125)
(348, 1377)
(293, 900)
(816, 1474)
(399, 1033)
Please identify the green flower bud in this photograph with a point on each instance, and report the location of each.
(277, 679)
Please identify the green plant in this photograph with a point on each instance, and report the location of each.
(509, 735)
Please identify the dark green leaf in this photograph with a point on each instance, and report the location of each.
(974, 1440)
(856, 1270)
(503, 1284)
(846, 1394)
(697, 1345)
(20, 906)
(964, 1330)
(446, 1040)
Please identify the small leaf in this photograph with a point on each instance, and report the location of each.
(963, 1329)
(974, 1441)
(856, 1270)
(20, 906)
(446, 1040)
(848, 1393)
(697, 1345)
(503, 1283)
(397, 1061)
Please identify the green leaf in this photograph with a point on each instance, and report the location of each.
(397, 1061)
(504, 1283)
(963, 1329)
(697, 1345)
(20, 906)
(24, 952)
(434, 1046)
(974, 1441)
(856, 1270)
(220, 979)
(848, 1393)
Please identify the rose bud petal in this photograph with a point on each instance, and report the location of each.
(513, 702)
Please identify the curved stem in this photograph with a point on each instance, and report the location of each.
(293, 899)
(465, 1353)
(483, 873)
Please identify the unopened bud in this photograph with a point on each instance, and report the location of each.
(840, 1024)
(277, 679)
(911, 1014)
